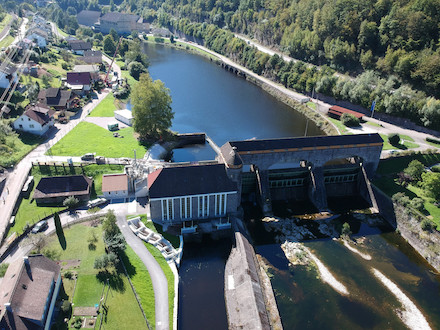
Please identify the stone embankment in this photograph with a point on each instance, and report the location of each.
(426, 243)
(245, 287)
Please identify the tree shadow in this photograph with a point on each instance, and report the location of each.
(92, 246)
(131, 270)
(62, 240)
(114, 279)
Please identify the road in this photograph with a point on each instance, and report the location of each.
(7, 27)
(322, 107)
(17, 177)
(160, 284)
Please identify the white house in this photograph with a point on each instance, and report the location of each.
(124, 116)
(37, 119)
(8, 76)
(39, 36)
(115, 185)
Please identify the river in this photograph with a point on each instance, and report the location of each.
(206, 98)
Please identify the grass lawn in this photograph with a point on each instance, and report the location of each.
(397, 164)
(6, 41)
(141, 280)
(123, 310)
(5, 21)
(105, 108)
(87, 137)
(16, 147)
(28, 210)
(64, 34)
(311, 105)
(342, 128)
(372, 124)
(404, 144)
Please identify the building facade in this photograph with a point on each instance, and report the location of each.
(37, 119)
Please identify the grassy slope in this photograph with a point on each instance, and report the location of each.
(20, 145)
(87, 137)
(105, 108)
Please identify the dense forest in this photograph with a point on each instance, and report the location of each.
(391, 47)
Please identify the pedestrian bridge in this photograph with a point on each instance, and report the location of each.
(316, 167)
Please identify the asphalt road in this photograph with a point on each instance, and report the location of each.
(160, 284)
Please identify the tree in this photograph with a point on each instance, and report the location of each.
(71, 202)
(135, 69)
(151, 107)
(114, 34)
(109, 45)
(431, 184)
(346, 230)
(415, 170)
(37, 240)
(106, 260)
(349, 120)
(394, 139)
(113, 238)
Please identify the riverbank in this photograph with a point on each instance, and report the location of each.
(279, 92)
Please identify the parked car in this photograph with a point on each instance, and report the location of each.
(41, 226)
(89, 156)
(96, 202)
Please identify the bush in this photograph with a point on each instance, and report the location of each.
(346, 230)
(71, 202)
(426, 225)
(66, 307)
(433, 140)
(418, 204)
(68, 275)
(436, 168)
(3, 268)
(349, 120)
(394, 139)
(401, 198)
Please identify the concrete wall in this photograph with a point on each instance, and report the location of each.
(115, 194)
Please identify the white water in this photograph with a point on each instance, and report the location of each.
(410, 314)
(352, 249)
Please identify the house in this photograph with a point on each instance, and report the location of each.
(122, 23)
(78, 47)
(125, 116)
(29, 292)
(195, 192)
(90, 68)
(39, 36)
(79, 82)
(55, 189)
(37, 119)
(92, 57)
(8, 75)
(115, 185)
(57, 98)
(88, 17)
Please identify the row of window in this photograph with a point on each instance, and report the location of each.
(186, 206)
(286, 183)
(340, 178)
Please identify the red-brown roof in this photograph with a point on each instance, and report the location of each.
(114, 182)
(338, 111)
(78, 78)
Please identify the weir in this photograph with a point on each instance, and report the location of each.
(321, 166)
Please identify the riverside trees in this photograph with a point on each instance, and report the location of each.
(152, 111)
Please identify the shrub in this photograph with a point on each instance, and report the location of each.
(65, 66)
(346, 230)
(433, 140)
(349, 120)
(394, 139)
(426, 225)
(3, 268)
(71, 202)
(418, 204)
(401, 198)
(66, 306)
(436, 168)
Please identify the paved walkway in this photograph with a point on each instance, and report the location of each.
(160, 284)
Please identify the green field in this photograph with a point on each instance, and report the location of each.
(6, 41)
(123, 310)
(16, 147)
(87, 137)
(28, 210)
(406, 142)
(105, 108)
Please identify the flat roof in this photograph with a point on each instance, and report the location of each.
(124, 113)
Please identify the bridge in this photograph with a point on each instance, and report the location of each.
(294, 168)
